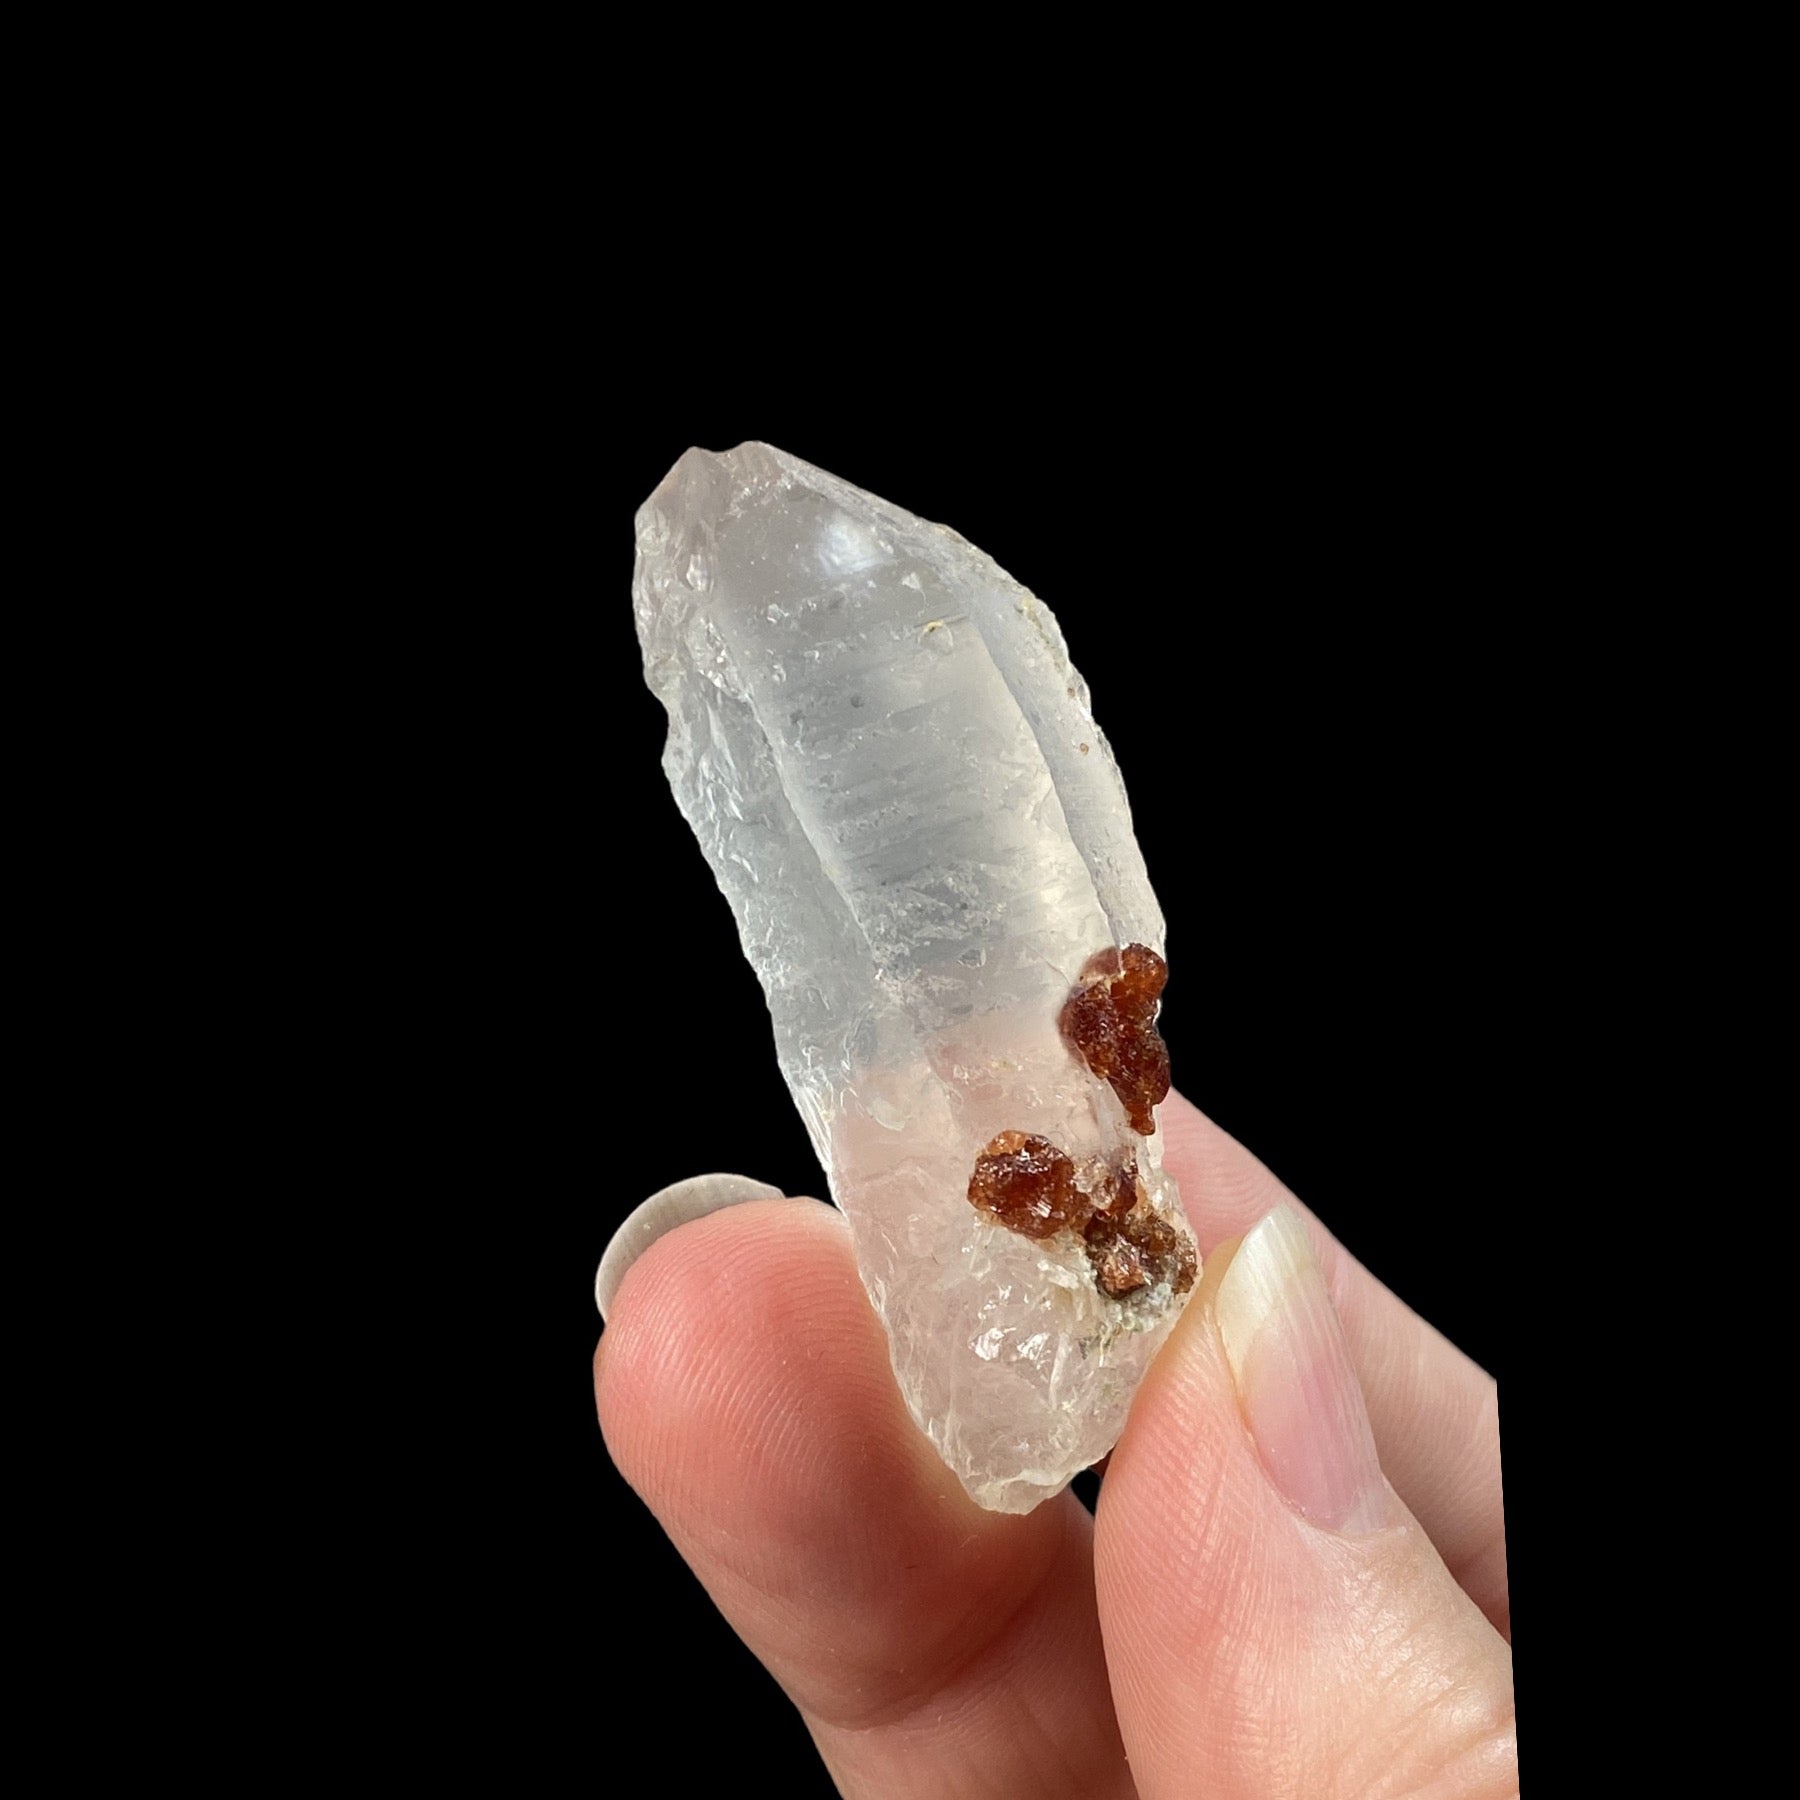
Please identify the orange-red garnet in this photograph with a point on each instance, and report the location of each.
(1110, 1022)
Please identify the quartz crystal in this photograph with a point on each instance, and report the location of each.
(893, 770)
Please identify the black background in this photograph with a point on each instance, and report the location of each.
(1296, 605)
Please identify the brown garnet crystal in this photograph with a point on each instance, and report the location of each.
(1121, 1191)
(1030, 1186)
(1138, 1251)
(1027, 1184)
(1110, 1021)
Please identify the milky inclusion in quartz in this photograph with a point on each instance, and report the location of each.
(878, 739)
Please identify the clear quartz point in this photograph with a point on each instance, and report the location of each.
(877, 737)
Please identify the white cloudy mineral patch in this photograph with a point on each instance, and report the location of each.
(876, 735)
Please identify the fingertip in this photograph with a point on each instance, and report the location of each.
(705, 1297)
(1252, 1591)
(680, 1203)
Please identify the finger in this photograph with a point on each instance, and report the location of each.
(745, 1392)
(1434, 1412)
(1277, 1623)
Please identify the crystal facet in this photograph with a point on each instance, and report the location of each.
(880, 743)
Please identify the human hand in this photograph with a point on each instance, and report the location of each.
(1253, 1612)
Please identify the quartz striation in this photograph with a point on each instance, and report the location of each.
(893, 770)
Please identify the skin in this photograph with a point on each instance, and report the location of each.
(1198, 1637)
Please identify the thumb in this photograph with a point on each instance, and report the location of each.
(1276, 1622)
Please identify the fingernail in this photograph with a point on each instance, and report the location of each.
(1292, 1367)
(661, 1213)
